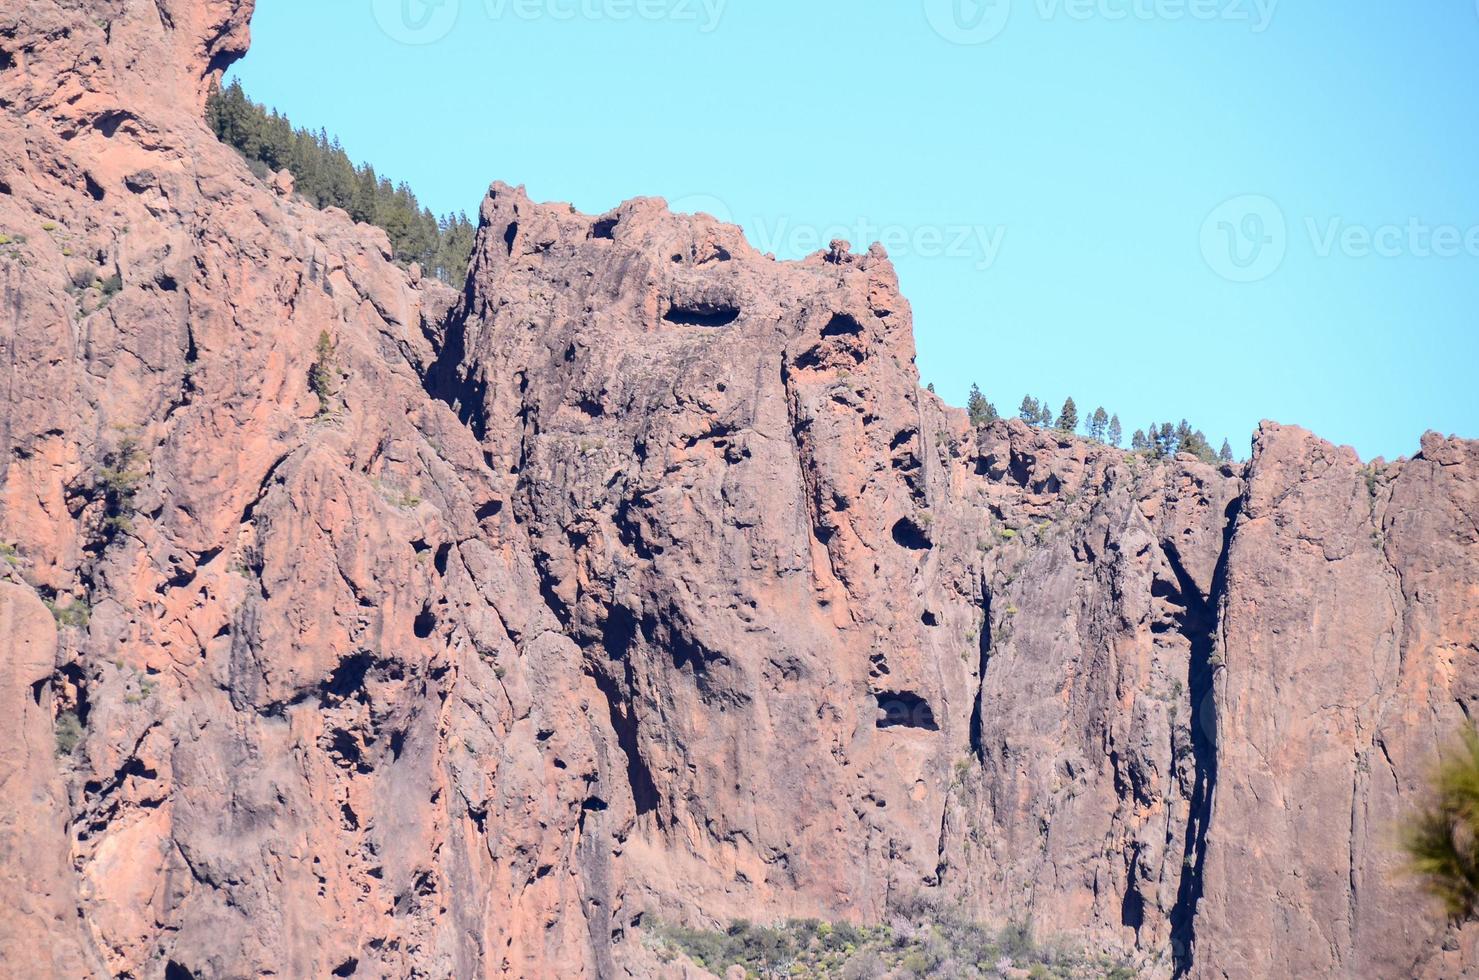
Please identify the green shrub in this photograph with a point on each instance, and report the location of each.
(323, 377)
(119, 481)
(68, 732)
(9, 555)
(76, 615)
(937, 942)
(1442, 841)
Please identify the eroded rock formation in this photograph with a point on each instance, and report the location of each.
(637, 580)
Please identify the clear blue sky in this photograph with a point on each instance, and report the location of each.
(1053, 188)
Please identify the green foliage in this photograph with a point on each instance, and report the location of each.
(75, 615)
(323, 377)
(981, 411)
(9, 555)
(1068, 418)
(119, 480)
(1442, 841)
(1098, 424)
(924, 941)
(68, 732)
(111, 286)
(1165, 441)
(1029, 411)
(323, 173)
(1226, 454)
(1115, 433)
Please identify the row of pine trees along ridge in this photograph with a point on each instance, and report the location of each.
(1161, 440)
(324, 175)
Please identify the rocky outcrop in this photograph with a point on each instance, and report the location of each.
(637, 580)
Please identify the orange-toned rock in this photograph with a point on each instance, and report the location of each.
(637, 580)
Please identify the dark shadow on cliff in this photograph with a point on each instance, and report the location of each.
(1199, 624)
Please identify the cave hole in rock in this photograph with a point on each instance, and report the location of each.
(904, 709)
(94, 189)
(605, 228)
(702, 314)
(174, 971)
(509, 235)
(909, 534)
(347, 968)
(348, 677)
(108, 122)
(426, 623)
(842, 325)
(7, 60)
(440, 561)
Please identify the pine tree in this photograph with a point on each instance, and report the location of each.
(1045, 413)
(1098, 423)
(1068, 418)
(1028, 412)
(324, 175)
(1226, 455)
(981, 411)
(930, 387)
(1115, 432)
(1138, 442)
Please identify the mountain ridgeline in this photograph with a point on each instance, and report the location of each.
(324, 174)
(630, 610)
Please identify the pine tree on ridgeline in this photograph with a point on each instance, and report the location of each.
(1098, 423)
(1226, 455)
(981, 411)
(1028, 412)
(324, 175)
(1068, 418)
(1116, 433)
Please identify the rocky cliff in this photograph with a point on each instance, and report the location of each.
(638, 581)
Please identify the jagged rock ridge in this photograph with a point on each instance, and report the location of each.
(639, 579)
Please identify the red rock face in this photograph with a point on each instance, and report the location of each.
(638, 580)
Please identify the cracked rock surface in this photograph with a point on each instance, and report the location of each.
(637, 580)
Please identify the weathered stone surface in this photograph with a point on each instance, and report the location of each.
(639, 579)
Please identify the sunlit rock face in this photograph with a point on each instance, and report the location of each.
(638, 580)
